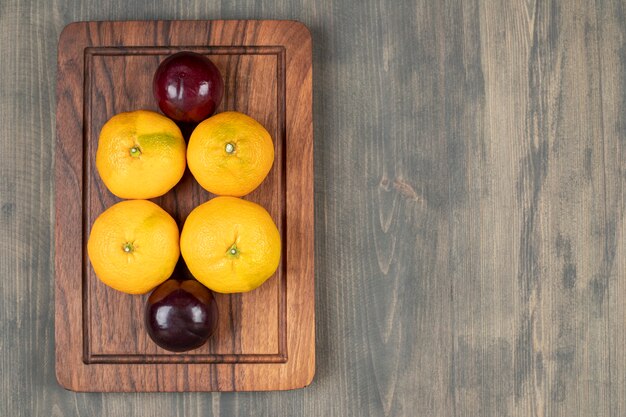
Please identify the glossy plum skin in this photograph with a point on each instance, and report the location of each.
(188, 87)
(181, 315)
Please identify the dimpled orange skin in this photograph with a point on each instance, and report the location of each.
(230, 245)
(235, 173)
(133, 246)
(141, 154)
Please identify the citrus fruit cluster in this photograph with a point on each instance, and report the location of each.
(228, 244)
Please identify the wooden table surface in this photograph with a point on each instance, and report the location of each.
(469, 186)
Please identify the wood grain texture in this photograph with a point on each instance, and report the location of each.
(265, 338)
(469, 184)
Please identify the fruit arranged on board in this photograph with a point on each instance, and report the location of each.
(181, 315)
(141, 154)
(188, 87)
(133, 246)
(230, 154)
(230, 245)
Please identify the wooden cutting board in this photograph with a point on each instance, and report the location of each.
(265, 338)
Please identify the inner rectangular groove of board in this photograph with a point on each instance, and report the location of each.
(91, 357)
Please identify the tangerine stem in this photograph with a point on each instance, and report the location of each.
(127, 247)
(230, 148)
(135, 151)
(233, 251)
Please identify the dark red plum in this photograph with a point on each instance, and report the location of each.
(188, 87)
(181, 315)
